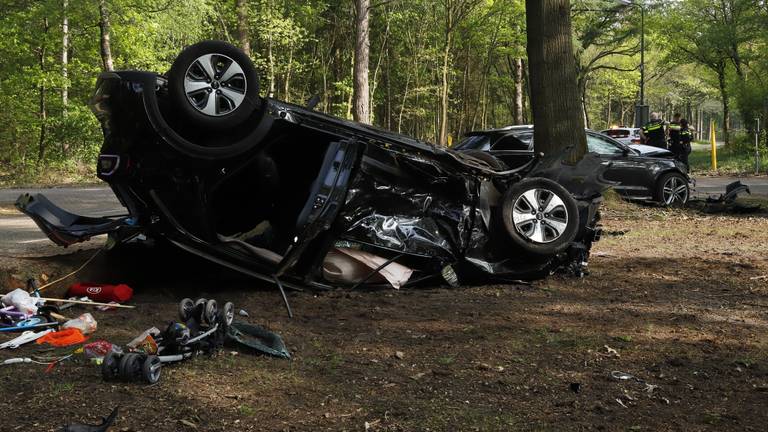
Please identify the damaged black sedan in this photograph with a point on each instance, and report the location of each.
(299, 198)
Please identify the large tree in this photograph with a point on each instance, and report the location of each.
(555, 99)
(361, 91)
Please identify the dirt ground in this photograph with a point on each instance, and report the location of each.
(677, 299)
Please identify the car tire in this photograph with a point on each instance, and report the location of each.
(546, 226)
(672, 190)
(222, 101)
(488, 158)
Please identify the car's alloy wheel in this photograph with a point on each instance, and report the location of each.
(540, 215)
(674, 191)
(215, 84)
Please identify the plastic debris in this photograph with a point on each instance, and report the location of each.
(98, 349)
(21, 300)
(86, 323)
(243, 313)
(25, 338)
(103, 427)
(154, 331)
(67, 337)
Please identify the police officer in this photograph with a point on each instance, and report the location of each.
(653, 132)
(673, 131)
(683, 148)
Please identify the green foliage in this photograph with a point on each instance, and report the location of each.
(305, 48)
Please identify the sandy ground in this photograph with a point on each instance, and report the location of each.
(677, 299)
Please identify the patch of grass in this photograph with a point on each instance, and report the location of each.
(446, 360)
(61, 387)
(246, 411)
(730, 161)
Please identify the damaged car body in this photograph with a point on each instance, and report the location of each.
(300, 198)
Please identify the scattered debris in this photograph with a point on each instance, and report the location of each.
(609, 352)
(243, 313)
(25, 338)
(101, 292)
(257, 339)
(203, 329)
(400, 354)
(103, 427)
(575, 387)
(63, 338)
(86, 323)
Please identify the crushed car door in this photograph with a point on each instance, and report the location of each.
(65, 228)
(326, 197)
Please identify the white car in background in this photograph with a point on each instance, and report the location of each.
(626, 136)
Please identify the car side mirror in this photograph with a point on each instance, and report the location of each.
(625, 151)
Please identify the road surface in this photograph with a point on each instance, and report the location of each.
(706, 186)
(20, 237)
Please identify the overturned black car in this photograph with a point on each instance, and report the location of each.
(302, 199)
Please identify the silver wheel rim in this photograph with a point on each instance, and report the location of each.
(675, 191)
(540, 216)
(215, 85)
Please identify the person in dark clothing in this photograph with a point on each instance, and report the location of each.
(682, 146)
(653, 132)
(673, 130)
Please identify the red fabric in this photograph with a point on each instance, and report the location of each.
(66, 337)
(101, 292)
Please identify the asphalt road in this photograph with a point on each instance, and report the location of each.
(20, 237)
(706, 186)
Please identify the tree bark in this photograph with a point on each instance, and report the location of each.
(43, 108)
(64, 67)
(554, 90)
(106, 47)
(242, 26)
(65, 56)
(361, 88)
(444, 92)
(518, 106)
(724, 96)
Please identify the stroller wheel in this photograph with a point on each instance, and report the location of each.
(211, 311)
(151, 369)
(130, 365)
(186, 307)
(228, 313)
(199, 312)
(109, 366)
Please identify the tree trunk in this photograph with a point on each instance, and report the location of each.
(43, 109)
(554, 90)
(242, 26)
(518, 73)
(724, 96)
(361, 89)
(64, 56)
(443, 137)
(106, 48)
(64, 67)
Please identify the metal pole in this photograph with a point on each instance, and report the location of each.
(757, 147)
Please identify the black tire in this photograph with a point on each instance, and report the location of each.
(109, 366)
(545, 231)
(228, 314)
(211, 312)
(199, 311)
(488, 158)
(676, 181)
(227, 112)
(186, 307)
(127, 367)
(151, 369)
